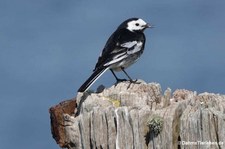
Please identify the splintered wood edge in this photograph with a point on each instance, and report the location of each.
(57, 121)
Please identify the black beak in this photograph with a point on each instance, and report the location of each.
(148, 25)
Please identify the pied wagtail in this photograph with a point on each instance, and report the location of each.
(123, 48)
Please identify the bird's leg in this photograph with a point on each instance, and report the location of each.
(131, 80)
(117, 79)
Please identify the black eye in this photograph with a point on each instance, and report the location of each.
(137, 24)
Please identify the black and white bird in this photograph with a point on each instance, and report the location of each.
(123, 48)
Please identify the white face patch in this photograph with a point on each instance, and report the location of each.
(136, 25)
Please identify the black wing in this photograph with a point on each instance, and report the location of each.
(117, 46)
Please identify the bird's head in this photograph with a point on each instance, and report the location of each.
(135, 24)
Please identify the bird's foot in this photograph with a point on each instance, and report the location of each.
(130, 81)
(135, 81)
(120, 80)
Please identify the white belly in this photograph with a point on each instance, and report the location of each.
(131, 59)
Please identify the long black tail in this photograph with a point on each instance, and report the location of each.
(95, 75)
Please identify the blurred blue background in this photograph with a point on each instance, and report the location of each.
(48, 48)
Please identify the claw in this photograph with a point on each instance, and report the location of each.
(134, 81)
(120, 80)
